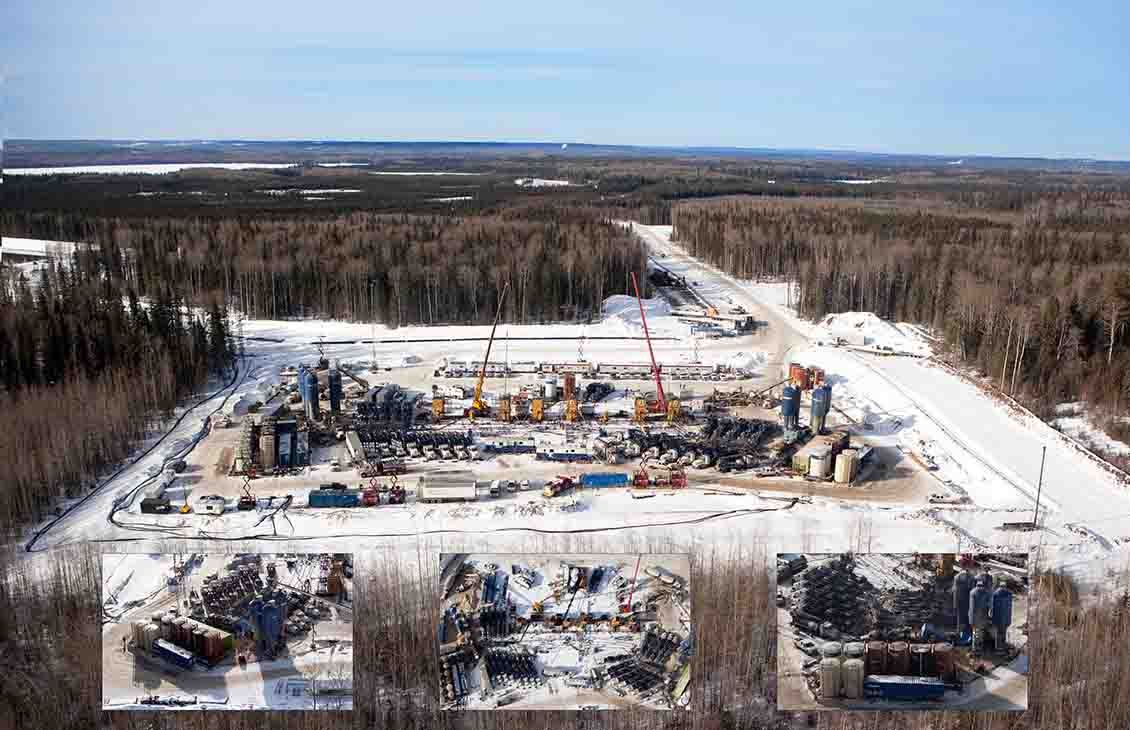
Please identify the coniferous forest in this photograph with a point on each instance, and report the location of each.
(1037, 298)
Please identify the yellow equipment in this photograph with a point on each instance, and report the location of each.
(437, 409)
(674, 410)
(570, 410)
(711, 312)
(604, 417)
(641, 411)
(537, 410)
(477, 404)
(504, 409)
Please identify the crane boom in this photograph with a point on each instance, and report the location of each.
(477, 404)
(661, 403)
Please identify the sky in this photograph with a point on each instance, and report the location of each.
(1012, 78)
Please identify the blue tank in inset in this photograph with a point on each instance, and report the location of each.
(302, 374)
(962, 585)
(310, 396)
(790, 406)
(980, 603)
(1002, 608)
(334, 383)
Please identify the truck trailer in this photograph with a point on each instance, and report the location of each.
(452, 487)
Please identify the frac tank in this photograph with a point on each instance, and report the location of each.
(1002, 608)
(962, 585)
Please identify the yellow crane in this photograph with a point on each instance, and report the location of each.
(478, 407)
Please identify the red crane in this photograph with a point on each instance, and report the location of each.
(661, 397)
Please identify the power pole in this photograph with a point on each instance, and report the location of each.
(1039, 488)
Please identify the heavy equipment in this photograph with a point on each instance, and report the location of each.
(478, 407)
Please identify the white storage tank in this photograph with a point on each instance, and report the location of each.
(549, 389)
(851, 679)
(830, 677)
(820, 463)
(845, 466)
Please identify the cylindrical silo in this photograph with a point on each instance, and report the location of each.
(333, 381)
(310, 396)
(821, 404)
(943, 660)
(790, 407)
(962, 585)
(820, 463)
(1001, 615)
(798, 375)
(898, 658)
(549, 389)
(830, 677)
(876, 657)
(845, 466)
(833, 649)
(851, 678)
(167, 627)
(854, 650)
(922, 660)
(980, 604)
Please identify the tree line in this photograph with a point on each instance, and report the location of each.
(1038, 304)
(561, 261)
(85, 365)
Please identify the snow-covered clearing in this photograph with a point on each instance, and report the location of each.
(452, 199)
(1073, 420)
(146, 169)
(307, 191)
(538, 182)
(421, 172)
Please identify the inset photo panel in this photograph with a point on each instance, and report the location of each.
(564, 631)
(902, 631)
(244, 631)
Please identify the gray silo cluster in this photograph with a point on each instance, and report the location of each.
(790, 407)
(821, 404)
(267, 614)
(981, 611)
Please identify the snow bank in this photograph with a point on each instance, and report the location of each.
(421, 172)
(625, 310)
(867, 329)
(747, 360)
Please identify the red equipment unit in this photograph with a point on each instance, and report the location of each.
(661, 397)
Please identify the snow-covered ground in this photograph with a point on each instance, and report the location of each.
(307, 191)
(1073, 420)
(538, 182)
(867, 330)
(421, 172)
(985, 454)
(145, 169)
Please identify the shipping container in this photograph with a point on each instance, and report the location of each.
(604, 479)
(897, 687)
(174, 654)
(334, 498)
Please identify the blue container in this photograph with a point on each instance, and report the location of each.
(334, 498)
(604, 479)
(334, 382)
(962, 585)
(310, 396)
(302, 373)
(821, 404)
(896, 687)
(1002, 608)
(790, 406)
(183, 658)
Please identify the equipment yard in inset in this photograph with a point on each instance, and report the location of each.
(532, 631)
(234, 632)
(885, 631)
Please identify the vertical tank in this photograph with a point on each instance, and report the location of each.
(798, 375)
(898, 658)
(310, 397)
(167, 627)
(876, 657)
(845, 466)
(962, 585)
(854, 650)
(922, 660)
(1001, 614)
(832, 649)
(820, 463)
(790, 407)
(570, 386)
(943, 661)
(830, 677)
(549, 389)
(851, 679)
(334, 382)
(980, 604)
(268, 446)
(821, 404)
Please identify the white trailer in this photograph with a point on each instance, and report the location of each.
(447, 488)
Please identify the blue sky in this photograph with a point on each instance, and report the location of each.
(958, 78)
